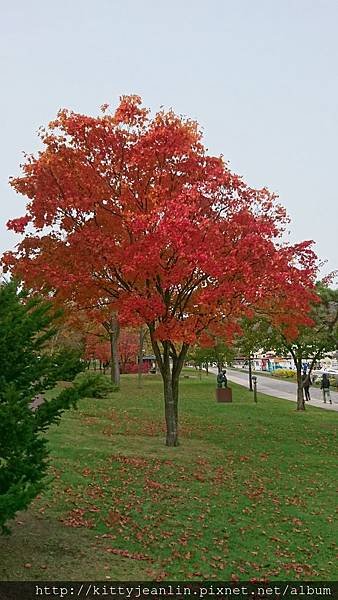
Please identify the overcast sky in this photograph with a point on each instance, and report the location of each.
(260, 76)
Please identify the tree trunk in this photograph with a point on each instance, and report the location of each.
(175, 380)
(300, 391)
(178, 362)
(140, 357)
(170, 409)
(114, 351)
(207, 368)
(297, 356)
(250, 374)
(170, 379)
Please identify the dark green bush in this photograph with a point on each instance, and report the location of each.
(68, 363)
(94, 385)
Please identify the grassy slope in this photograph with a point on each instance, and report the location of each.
(248, 493)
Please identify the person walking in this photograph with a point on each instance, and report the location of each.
(306, 385)
(325, 386)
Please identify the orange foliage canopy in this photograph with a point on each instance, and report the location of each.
(129, 213)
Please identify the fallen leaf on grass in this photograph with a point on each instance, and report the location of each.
(75, 519)
(155, 485)
(127, 554)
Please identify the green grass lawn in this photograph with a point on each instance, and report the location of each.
(249, 492)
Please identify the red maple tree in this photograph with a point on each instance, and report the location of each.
(94, 328)
(128, 212)
(96, 348)
(128, 350)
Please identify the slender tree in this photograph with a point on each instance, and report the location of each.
(252, 338)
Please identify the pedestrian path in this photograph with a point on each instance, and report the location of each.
(286, 390)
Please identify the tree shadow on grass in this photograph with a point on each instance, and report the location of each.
(42, 548)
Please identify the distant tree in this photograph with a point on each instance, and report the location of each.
(128, 348)
(143, 340)
(97, 346)
(27, 370)
(308, 342)
(101, 331)
(313, 342)
(220, 354)
(251, 338)
(68, 336)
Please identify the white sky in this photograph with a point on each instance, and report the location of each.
(260, 76)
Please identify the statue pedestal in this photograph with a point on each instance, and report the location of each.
(224, 394)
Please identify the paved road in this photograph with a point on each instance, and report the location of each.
(280, 389)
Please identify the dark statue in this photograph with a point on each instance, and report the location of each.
(222, 379)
